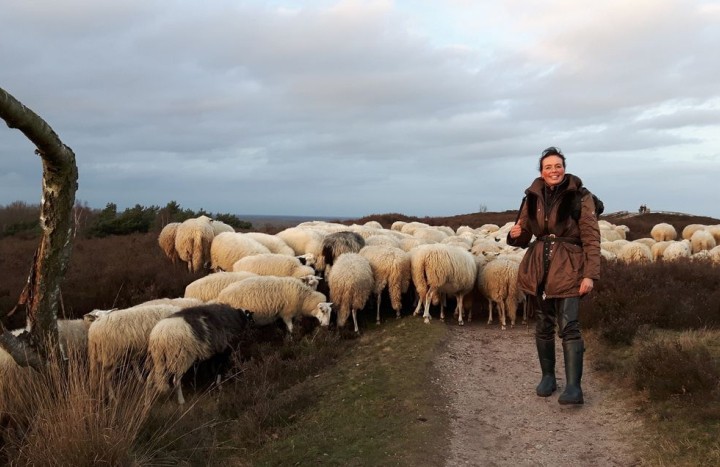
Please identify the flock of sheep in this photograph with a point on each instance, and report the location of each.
(258, 279)
(699, 242)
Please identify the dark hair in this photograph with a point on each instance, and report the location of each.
(551, 151)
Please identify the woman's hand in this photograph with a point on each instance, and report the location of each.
(586, 285)
(516, 230)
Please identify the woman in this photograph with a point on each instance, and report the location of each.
(560, 266)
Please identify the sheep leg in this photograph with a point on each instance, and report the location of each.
(178, 390)
(459, 309)
(501, 307)
(428, 300)
(354, 315)
(442, 307)
(489, 311)
(511, 306)
(418, 304)
(379, 298)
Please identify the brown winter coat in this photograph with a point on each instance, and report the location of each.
(569, 263)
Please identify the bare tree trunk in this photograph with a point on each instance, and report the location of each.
(42, 291)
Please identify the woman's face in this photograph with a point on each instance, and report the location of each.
(552, 171)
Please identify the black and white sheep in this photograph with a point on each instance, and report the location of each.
(191, 335)
(335, 244)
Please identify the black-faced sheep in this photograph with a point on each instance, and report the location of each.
(271, 298)
(191, 335)
(351, 283)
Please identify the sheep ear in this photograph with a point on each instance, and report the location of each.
(89, 317)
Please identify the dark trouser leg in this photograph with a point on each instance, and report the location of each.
(545, 342)
(573, 348)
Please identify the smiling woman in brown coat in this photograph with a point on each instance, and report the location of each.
(560, 266)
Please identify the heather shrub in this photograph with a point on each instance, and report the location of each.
(681, 364)
(678, 295)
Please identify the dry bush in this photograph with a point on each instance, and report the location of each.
(679, 295)
(683, 364)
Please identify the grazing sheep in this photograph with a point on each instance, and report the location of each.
(271, 298)
(191, 335)
(690, 229)
(610, 235)
(121, 337)
(335, 245)
(192, 242)
(663, 232)
(308, 259)
(298, 239)
(634, 252)
(445, 229)
(391, 269)
(373, 225)
(702, 240)
(490, 228)
(209, 287)
(715, 232)
(166, 240)
(351, 281)
(186, 302)
(608, 255)
(442, 269)
(377, 240)
(269, 264)
(407, 244)
(430, 234)
(411, 227)
(485, 246)
(220, 227)
(648, 242)
(272, 242)
(498, 283)
(458, 239)
(677, 250)
(614, 247)
(715, 255)
(658, 249)
(228, 248)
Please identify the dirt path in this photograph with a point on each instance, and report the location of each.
(497, 420)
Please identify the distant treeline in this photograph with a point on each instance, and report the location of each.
(22, 219)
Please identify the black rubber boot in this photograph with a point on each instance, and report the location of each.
(573, 351)
(546, 353)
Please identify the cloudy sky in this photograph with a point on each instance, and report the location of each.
(349, 107)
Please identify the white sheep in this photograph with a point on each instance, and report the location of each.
(498, 283)
(411, 227)
(122, 337)
(184, 302)
(166, 240)
(610, 235)
(634, 252)
(298, 239)
(397, 225)
(220, 227)
(272, 242)
(715, 255)
(715, 232)
(270, 264)
(391, 269)
(442, 269)
(192, 335)
(658, 249)
(192, 242)
(663, 232)
(377, 240)
(608, 255)
(490, 228)
(614, 247)
(209, 287)
(408, 244)
(690, 229)
(271, 298)
(373, 224)
(429, 233)
(677, 250)
(648, 242)
(351, 282)
(228, 248)
(702, 240)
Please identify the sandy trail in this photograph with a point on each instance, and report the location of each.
(497, 420)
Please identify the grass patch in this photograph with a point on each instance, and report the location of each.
(677, 374)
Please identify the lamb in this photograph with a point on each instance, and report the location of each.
(122, 336)
(391, 269)
(335, 245)
(634, 252)
(270, 264)
(677, 250)
(498, 283)
(272, 242)
(271, 298)
(690, 229)
(228, 248)
(209, 287)
(166, 240)
(194, 334)
(351, 281)
(702, 240)
(220, 227)
(663, 232)
(192, 242)
(442, 269)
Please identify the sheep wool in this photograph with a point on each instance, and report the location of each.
(220, 227)
(690, 229)
(166, 240)
(228, 248)
(498, 283)
(272, 242)
(209, 287)
(271, 298)
(663, 232)
(351, 282)
(192, 242)
(634, 252)
(337, 244)
(677, 250)
(269, 264)
(702, 240)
